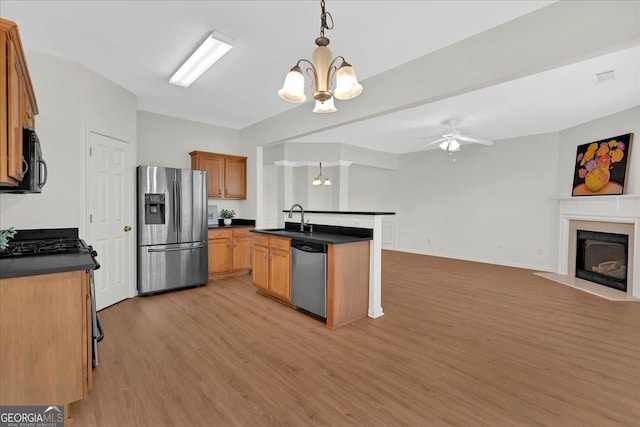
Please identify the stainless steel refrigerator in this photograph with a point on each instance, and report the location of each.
(172, 229)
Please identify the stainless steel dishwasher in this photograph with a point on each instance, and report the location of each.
(309, 276)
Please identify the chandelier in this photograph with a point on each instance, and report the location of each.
(321, 179)
(322, 71)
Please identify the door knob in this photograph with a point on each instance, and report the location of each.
(127, 228)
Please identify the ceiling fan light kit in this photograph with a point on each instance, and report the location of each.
(322, 71)
(450, 145)
(451, 141)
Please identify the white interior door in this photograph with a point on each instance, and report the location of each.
(110, 183)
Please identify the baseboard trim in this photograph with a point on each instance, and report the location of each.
(545, 268)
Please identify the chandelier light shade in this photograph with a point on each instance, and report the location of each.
(321, 179)
(325, 107)
(210, 51)
(322, 71)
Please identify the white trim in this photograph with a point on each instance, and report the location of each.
(474, 259)
(299, 164)
(623, 209)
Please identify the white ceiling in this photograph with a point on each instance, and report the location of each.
(139, 44)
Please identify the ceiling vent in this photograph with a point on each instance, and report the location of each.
(604, 76)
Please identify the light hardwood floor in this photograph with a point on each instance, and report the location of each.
(460, 344)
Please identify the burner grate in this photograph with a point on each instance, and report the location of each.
(43, 246)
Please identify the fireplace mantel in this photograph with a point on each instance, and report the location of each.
(622, 209)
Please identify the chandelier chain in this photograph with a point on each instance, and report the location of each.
(323, 19)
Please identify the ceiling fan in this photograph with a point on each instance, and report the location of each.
(451, 141)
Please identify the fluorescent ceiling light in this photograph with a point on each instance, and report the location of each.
(212, 49)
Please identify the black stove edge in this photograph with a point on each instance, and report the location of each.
(45, 233)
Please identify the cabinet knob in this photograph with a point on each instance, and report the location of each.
(226, 191)
(234, 243)
(127, 228)
(227, 243)
(219, 190)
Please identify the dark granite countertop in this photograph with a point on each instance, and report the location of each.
(324, 234)
(343, 212)
(45, 264)
(236, 223)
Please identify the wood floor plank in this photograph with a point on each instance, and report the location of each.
(460, 344)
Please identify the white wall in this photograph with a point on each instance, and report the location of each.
(373, 189)
(167, 141)
(71, 100)
(493, 204)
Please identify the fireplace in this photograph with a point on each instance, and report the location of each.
(602, 258)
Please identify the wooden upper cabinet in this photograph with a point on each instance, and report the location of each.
(226, 174)
(17, 104)
(215, 174)
(235, 175)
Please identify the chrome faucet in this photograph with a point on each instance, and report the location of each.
(301, 215)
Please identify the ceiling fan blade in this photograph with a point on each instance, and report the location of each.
(437, 141)
(474, 140)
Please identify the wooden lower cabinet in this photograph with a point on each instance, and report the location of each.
(229, 252)
(45, 339)
(347, 283)
(347, 276)
(272, 266)
(261, 266)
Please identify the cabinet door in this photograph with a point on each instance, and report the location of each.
(241, 253)
(4, 96)
(261, 266)
(219, 255)
(11, 165)
(215, 175)
(279, 273)
(235, 178)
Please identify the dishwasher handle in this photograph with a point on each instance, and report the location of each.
(309, 246)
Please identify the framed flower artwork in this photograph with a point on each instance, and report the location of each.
(601, 166)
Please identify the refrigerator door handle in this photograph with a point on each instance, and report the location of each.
(179, 204)
(173, 205)
(176, 249)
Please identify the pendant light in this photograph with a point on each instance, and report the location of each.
(321, 179)
(322, 71)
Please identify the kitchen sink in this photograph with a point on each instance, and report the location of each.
(285, 232)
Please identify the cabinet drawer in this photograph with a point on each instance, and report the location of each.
(259, 239)
(239, 232)
(279, 243)
(218, 234)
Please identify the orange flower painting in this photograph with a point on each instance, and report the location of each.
(601, 166)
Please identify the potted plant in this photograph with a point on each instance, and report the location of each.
(5, 235)
(227, 214)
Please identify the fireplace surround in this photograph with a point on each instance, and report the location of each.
(606, 214)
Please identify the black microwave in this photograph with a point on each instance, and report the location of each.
(35, 168)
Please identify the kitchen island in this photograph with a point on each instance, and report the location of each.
(347, 268)
(359, 219)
